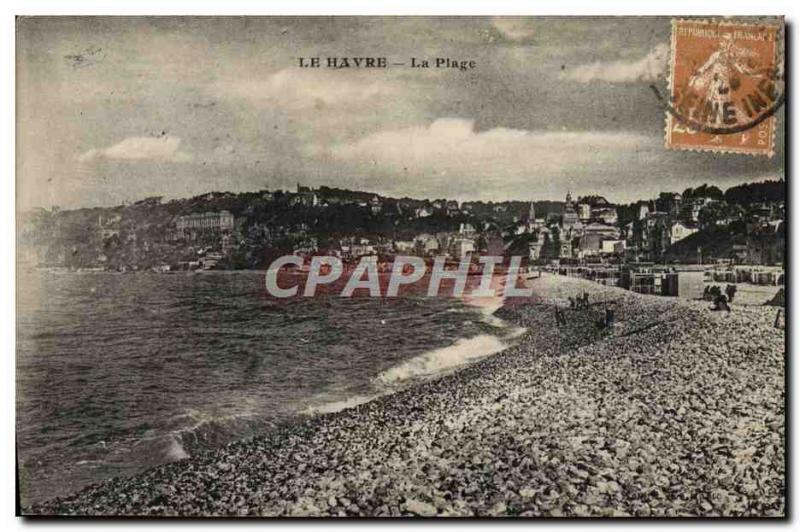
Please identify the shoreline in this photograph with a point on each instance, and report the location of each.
(524, 431)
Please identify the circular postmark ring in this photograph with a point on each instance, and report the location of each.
(688, 122)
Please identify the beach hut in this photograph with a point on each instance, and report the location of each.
(685, 284)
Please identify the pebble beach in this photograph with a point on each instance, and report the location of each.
(674, 411)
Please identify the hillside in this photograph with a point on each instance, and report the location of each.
(723, 242)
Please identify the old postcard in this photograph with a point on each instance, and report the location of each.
(401, 266)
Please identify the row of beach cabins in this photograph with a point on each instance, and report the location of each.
(687, 281)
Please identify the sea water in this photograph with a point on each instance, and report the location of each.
(120, 372)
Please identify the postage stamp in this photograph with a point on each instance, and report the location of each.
(726, 83)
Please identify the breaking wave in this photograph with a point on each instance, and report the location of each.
(463, 350)
(338, 406)
(445, 358)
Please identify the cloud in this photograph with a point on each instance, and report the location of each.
(164, 148)
(648, 68)
(448, 157)
(514, 28)
(298, 88)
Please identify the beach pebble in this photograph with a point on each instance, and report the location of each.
(420, 508)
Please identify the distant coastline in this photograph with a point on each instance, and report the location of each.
(227, 231)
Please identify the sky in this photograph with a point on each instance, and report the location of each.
(115, 109)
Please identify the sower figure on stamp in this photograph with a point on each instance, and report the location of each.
(718, 77)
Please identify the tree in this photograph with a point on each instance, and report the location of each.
(703, 191)
(750, 193)
(711, 213)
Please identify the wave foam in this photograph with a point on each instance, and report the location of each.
(337, 406)
(175, 450)
(487, 306)
(438, 360)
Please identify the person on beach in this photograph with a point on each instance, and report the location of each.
(730, 290)
(560, 319)
(714, 292)
(610, 315)
(777, 323)
(721, 303)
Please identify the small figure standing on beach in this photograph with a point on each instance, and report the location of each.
(610, 315)
(730, 290)
(560, 319)
(777, 323)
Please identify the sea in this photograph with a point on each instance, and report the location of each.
(117, 373)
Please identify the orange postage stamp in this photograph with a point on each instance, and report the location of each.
(726, 83)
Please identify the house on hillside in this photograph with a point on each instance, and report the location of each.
(680, 230)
